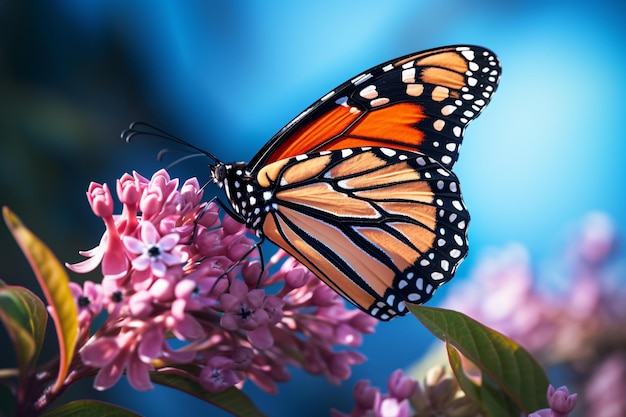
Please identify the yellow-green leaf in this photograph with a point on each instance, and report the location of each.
(90, 408)
(493, 401)
(513, 370)
(24, 317)
(54, 283)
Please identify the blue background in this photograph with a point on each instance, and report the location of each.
(227, 75)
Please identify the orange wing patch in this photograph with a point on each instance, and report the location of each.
(395, 124)
(347, 127)
(323, 197)
(315, 133)
(451, 60)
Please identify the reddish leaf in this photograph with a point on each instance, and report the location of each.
(232, 400)
(89, 408)
(54, 282)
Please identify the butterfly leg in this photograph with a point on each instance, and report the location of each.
(256, 246)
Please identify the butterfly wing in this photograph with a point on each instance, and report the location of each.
(421, 102)
(380, 226)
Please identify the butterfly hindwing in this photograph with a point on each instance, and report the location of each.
(421, 102)
(380, 226)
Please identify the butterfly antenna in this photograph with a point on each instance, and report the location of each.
(166, 151)
(143, 128)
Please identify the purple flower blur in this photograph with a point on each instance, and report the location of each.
(171, 267)
(569, 312)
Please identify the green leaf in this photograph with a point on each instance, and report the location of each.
(54, 282)
(487, 395)
(89, 408)
(25, 318)
(513, 370)
(232, 400)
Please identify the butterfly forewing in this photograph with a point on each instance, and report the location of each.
(421, 102)
(380, 226)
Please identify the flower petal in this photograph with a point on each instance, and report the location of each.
(168, 242)
(151, 343)
(111, 373)
(133, 244)
(261, 337)
(100, 352)
(149, 234)
(138, 374)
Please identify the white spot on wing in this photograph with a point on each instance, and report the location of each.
(327, 96)
(369, 92)
(468, 54)
(408, 75)
(379, 102)
(448, 109)
(361, 78)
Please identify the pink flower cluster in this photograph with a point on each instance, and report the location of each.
(370, 402)
(181, 287)
(440, 395)
(570, 312)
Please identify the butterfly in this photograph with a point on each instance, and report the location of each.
(359, 188)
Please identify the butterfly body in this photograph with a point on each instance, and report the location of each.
(359, 186)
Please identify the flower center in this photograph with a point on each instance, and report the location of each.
(245, 313)
(83, 301)
(154, 251)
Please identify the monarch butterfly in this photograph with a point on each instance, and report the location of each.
(358, 187)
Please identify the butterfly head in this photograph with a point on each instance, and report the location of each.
(242, 192)
(226, 175)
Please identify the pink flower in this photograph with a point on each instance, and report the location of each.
(183, 324)
(560, 401)
(369, 402)
(155, 252)
(604, 391)
(88, 299)
(218, 374)
(100, 200)
(114, 260)
(114, 356)
(400, 385)
(129, 189)
(243, 308)
(391, 407)
(251, 311)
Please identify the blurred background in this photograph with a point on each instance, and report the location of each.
(227, 75)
